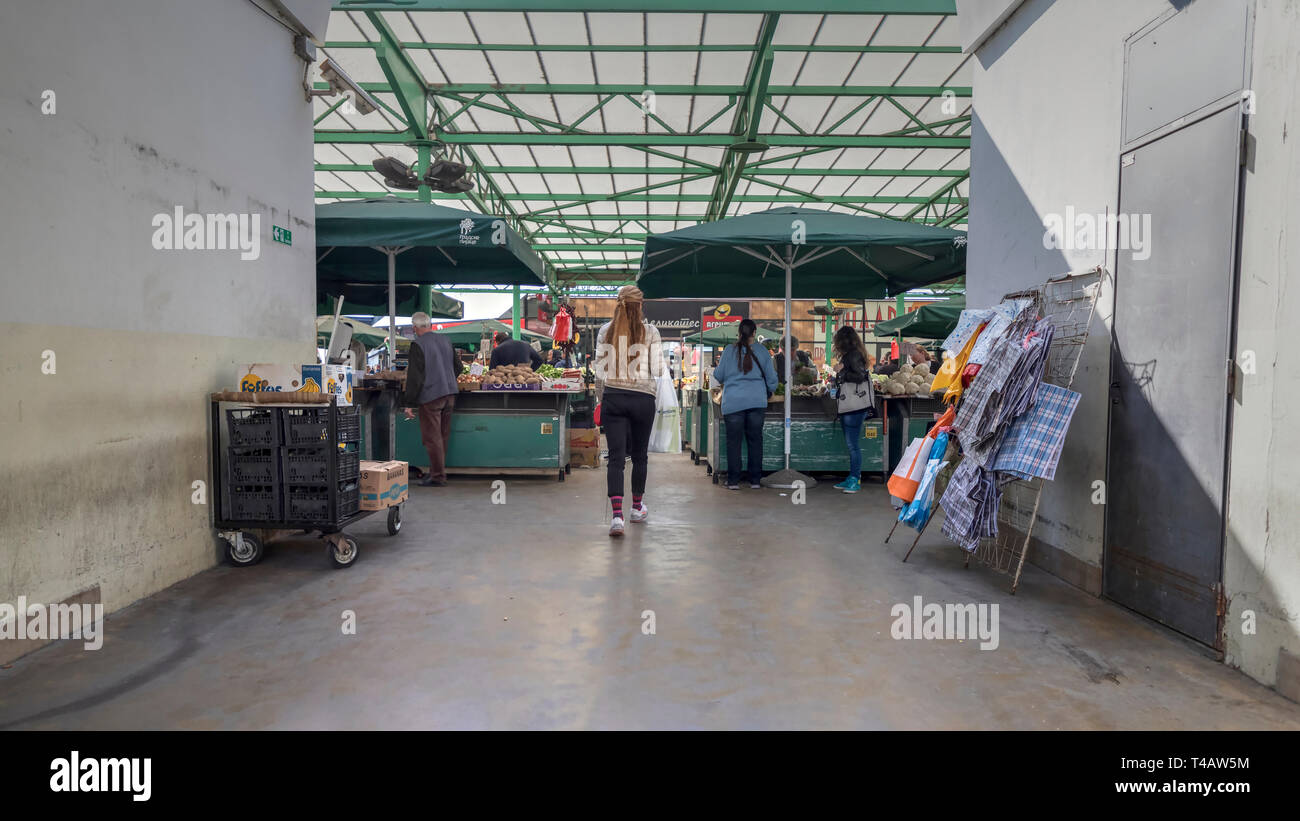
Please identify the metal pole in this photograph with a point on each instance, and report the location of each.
(421, 166)
(829, 320)
(392, 307)
(789, 373)
(514, 316)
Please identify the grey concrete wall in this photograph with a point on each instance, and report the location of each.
(1262, 560)
(157, 104)
(1048, 96)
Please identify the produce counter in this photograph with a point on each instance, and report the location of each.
(500, 431)
(816, 441)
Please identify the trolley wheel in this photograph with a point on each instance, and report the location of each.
(246, 550)
(394, 519)
(567, 470)
(342, 553)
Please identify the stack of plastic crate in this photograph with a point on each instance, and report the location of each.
(306, 456)
(252, 482)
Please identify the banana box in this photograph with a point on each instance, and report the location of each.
(270, 376)
(333, 379)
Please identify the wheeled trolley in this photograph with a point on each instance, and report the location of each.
(287, 469)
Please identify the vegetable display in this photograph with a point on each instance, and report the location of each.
(520, 376)
(907, 381)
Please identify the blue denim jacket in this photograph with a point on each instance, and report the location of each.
(742, 391)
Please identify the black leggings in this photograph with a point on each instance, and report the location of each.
(627, 417)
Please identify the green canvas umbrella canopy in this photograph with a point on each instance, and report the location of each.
(720, 336)
(368, 335)
(389, 241)
(801, 253)
(372, 300)
(933, 321)
(471, 331)
(832, 254)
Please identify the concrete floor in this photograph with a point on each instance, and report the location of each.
(768, 615)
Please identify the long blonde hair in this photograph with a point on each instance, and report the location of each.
(628, 321)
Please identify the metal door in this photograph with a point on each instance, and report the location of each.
(1172, 339)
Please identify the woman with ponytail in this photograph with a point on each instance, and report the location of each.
(748, 380)
(629, 355)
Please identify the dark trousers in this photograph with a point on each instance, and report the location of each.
(627, 417)
(435, 433)
(747, 426)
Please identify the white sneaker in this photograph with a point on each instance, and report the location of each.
(616, 527)
(639, 514)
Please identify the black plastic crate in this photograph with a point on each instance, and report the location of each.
(310, 466)
(312, 503)
(253, 466)
(310, 426)
(254, 503)
(253, 427)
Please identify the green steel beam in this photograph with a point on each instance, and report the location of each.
(652, 48)
(745, 123)
(675, 90)
(346, 137)
(569, 200)
(922, 7)
(753, 170)
(404, 79)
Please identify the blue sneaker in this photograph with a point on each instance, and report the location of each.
(849, 485)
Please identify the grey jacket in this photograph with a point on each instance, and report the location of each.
(431, 370)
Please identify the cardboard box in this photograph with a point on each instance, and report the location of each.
(584, 438)
(383, 484)
(271, 376)
(584, 457)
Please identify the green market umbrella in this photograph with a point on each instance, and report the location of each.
(368, 335)
(469, 332)
(933, 321)
(372, 299)
(799, 252)
(720, 336)
(391, 240)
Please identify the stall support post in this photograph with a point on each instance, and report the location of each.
(789, 372)
(514, 316)
(391, 253)
(829, 331)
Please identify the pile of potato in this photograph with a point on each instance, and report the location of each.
(908, 381)
(513, 376)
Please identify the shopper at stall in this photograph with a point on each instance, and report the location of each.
(431, 375)
(514, 352)
(853, 370)
(629, 354)
(800, 359)
(748, 380)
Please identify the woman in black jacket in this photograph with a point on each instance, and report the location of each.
(852, 356)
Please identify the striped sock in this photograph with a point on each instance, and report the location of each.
(636, 501)
(617, 503)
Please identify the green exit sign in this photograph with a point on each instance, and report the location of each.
(281, 235)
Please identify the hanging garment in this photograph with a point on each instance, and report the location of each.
(967, 324)
(1034, 441)
(970, 506)
(947, 378)
(917, 513)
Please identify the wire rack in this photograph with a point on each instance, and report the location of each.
(1070, 303)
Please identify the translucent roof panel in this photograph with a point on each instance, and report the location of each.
(587, 128)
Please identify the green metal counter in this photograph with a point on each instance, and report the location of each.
(495, 432)
(816, 442)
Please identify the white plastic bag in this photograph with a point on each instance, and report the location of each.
(666, 435)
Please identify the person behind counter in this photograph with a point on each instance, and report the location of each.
(629, 353)
(514, 352)
(853, 369)
(431, 375)
(748, 380)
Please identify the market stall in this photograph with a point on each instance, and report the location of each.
(804, 252)
(366, 245)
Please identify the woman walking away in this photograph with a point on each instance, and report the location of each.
(854, 370)
(748, 379)
(629, 354)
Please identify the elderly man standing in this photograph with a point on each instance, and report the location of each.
(431, 387)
